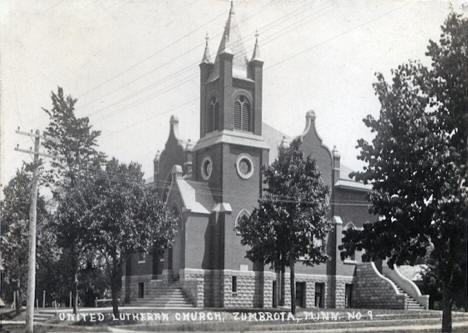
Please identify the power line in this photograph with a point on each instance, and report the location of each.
(196, 47)
(184, 80)
(335, 37)
(150, 56)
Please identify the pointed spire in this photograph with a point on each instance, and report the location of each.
(224, 46)
(206, 55)
(231, 44)
(256, 51)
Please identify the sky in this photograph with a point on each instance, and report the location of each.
(134, 63)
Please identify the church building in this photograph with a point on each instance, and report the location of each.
(214, 181)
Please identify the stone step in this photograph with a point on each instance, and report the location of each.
(41, 317)
(411, 303)
(164, 305)
(175, 301)
(165, 298)
(163, 295)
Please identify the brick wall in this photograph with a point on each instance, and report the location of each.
(372, 290)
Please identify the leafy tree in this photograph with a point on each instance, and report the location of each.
(73, 143)
(15, 223)
(292, 217)
(125, 216)
(417, 166)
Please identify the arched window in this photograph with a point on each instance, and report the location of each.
(243, 213)
(350, 225)
(212, 123)
(242, 113)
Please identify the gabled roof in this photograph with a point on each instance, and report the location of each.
(274, 138)
(196, 196)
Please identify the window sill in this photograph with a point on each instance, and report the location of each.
(349, 262)
(141, 261)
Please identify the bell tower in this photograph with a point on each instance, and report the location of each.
(231, 85)
(231, 151)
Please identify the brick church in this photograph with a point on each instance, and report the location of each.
(213, 182)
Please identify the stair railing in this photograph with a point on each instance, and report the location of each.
(406, 285)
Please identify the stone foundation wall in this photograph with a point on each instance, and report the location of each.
(130, 286)
(213, 288)
(254, 289)
(204, 287)
(373, 290)
(340, 283)
(310, 281)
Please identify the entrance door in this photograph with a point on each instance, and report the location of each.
(348, 295)
(141, 290)
(319, 292)
(169, 258)
(274, 294)
(300, 294)
(158, 264)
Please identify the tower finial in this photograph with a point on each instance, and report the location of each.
(256, 51)
(231, 10)
(206, 55)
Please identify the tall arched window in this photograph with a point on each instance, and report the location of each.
(213, 115)
(242, 113)
(350, 226)
(243, 213)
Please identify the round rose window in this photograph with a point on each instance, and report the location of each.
(245, 167)
(206, 168)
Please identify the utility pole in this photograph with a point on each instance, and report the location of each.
(32, 227)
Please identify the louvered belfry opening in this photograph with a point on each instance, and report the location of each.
(242, 113)
(213, 115)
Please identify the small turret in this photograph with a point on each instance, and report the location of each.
(256, 51)
(336, 164)
(156, 167)
(206, 54)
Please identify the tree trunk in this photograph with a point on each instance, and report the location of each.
(75, 293)
(17, 297)
(446, 312)
(282, 287)
(277, 287)
(293, 286)
(116, 285)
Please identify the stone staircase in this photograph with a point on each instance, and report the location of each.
(411, 303)
(385, 290)
(42, 316)
(166, 296)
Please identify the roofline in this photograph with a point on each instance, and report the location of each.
(352, 185)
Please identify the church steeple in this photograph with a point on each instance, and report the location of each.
(231, 85)
(231, 149)
(232, 43)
